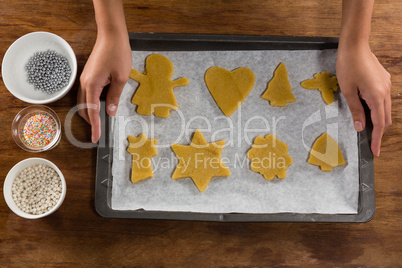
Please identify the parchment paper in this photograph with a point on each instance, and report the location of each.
(306, 189)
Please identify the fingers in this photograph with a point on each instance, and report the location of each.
(113, 95)
(88, 97)
(81, 99)
(378, 119)
(356, 108)
(93, 108)
(387, 108)
(386, 85)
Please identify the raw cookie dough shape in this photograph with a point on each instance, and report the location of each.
(155, 92)
(326, 153)
(279, 91)
(229, 88)
(200, 161)
(269, 157)
(142, 150)
(327, 85)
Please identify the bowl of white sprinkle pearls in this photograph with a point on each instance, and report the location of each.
(34, 188)
(39, 68)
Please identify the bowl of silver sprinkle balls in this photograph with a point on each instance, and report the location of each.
(34, 188)
(39, 68)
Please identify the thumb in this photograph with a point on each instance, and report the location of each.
(113, 95)
(356, 109)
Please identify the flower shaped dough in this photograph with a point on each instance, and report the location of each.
(269, 157)
(155, 92)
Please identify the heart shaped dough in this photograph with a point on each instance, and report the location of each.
(229, 88)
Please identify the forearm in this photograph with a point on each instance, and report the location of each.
(110, 19)
(356, 23)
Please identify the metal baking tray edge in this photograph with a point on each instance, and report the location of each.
(187, 42)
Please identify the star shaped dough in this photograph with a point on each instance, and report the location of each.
(142, 149)
(155, 92)
(200, 161)
(327, 85)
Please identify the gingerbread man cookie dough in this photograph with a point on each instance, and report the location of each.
(155, 92)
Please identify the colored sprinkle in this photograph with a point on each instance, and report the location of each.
(39, 130)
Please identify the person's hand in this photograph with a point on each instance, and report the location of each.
(109, 63)
(361, 75)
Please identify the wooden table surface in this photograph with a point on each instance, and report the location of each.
(77, 236)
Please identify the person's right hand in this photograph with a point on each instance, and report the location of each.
(361, 75)
(109, 63)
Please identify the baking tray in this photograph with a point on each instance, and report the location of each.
(197, 42)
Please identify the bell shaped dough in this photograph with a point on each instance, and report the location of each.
(326, 153)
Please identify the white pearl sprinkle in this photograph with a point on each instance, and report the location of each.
(34, 187)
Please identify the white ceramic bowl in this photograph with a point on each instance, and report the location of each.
(17, 56)
(13, 173)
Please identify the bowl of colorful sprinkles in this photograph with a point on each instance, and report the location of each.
(34, 188)
(39, 68)
(36, 128)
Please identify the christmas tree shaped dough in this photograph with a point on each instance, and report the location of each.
(155, 92)
(229, 88)
(326, 153)
(327, 85)
(142, 150)
(269, 157)
(279, 91)
(200, 161)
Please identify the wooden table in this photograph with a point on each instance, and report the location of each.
(77, 236)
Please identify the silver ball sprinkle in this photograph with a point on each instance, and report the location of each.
(48, 71)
